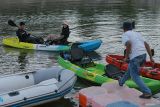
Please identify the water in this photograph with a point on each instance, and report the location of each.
(88, 19)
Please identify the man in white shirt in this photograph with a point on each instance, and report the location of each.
(136, 49)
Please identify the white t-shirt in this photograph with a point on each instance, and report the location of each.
(137, 43)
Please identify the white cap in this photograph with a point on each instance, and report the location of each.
(65, 22)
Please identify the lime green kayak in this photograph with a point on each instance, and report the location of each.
(96, 74)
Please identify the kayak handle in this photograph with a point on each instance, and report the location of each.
(14, 93)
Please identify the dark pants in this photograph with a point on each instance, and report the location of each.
(35, 40)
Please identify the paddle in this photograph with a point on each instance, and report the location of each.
(39, 39)
(133, 24)
(11, 22)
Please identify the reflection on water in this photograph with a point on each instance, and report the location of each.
(22, 60)
(88, 19)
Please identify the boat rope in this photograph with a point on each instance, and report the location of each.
(59, 75)
(66, 82)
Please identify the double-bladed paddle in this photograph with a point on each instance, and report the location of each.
(11, 23)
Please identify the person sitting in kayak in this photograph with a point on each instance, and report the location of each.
(23, 36)
(62, 38)
(65, 33)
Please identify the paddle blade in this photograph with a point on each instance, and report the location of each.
(11, 22)
(152, 51)
(133, 24)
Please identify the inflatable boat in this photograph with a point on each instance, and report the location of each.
(34, 88)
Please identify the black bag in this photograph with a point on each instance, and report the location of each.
(113, 72)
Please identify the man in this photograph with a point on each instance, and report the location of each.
(23, 36)
(21, 33)
(136, 49)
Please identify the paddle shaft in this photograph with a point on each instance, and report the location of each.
(12, 23)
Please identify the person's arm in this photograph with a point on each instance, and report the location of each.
(149, 51)
(19, 35)
(128, 50)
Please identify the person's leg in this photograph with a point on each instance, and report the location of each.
(39, 40)
(64, 41)
(31, 40)
(125, 77)
(135, 75)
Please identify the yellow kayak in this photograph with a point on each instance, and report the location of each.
(87, 46)
(14, 42)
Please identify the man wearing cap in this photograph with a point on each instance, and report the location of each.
(21, 33)
(23, 36)
(136, 49)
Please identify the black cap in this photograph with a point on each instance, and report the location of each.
(21, 23)
(127, 25)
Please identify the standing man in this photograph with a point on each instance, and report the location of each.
(136, 49)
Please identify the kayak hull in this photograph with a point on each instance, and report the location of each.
(86, 46)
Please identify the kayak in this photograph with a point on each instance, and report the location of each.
(147, 70)
(90, 45)
(35, 87)
(87, 46)
(96, 73)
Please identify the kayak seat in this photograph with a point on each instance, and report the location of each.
(77, 54)
(87, 62)
(80, 58)
(113, 72)
(67, 54)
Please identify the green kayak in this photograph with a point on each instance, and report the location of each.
(96, 73)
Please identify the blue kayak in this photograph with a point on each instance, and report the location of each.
(90, 45)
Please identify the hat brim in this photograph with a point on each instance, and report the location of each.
(65, 23)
